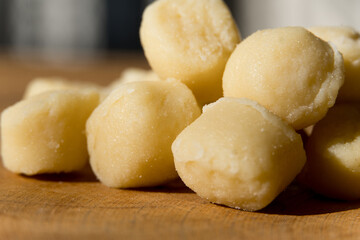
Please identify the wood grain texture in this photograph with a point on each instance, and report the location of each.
(77, 206)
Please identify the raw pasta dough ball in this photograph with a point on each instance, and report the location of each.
(133, 75)
(46, 133)
(130, 133)
(40, 85)
(190, 40)
(238, 154)
(333, 151)
(289, 71)
(347, 41)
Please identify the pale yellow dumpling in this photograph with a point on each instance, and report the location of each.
(238, 154)
(333, 151)
(132, 75)
(135, 75)
(190, 40)
(46, 133)
(41, 85)
(347, 41)
(288, 70)
(130, 133)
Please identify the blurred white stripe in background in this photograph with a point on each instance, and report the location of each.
(71, 28)
(253, 15)
(57, 28)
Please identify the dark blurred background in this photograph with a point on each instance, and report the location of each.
(55, 28)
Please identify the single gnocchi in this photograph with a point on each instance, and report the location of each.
(333, 152)
(130, 133)
(132, 75)
(190, 41)
(238, 154)
(135, 75)
(41, 85)
(46, 133)
(290, 71)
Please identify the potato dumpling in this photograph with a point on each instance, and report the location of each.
(333, 152)
(131, 131)
(46, 133)
(288, 70)
(190, 40)
(238, 154)
(133, 75)
(347, 41)
(40, 85)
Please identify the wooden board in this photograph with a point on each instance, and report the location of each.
(77, 206)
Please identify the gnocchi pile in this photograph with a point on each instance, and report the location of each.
(220, 113)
